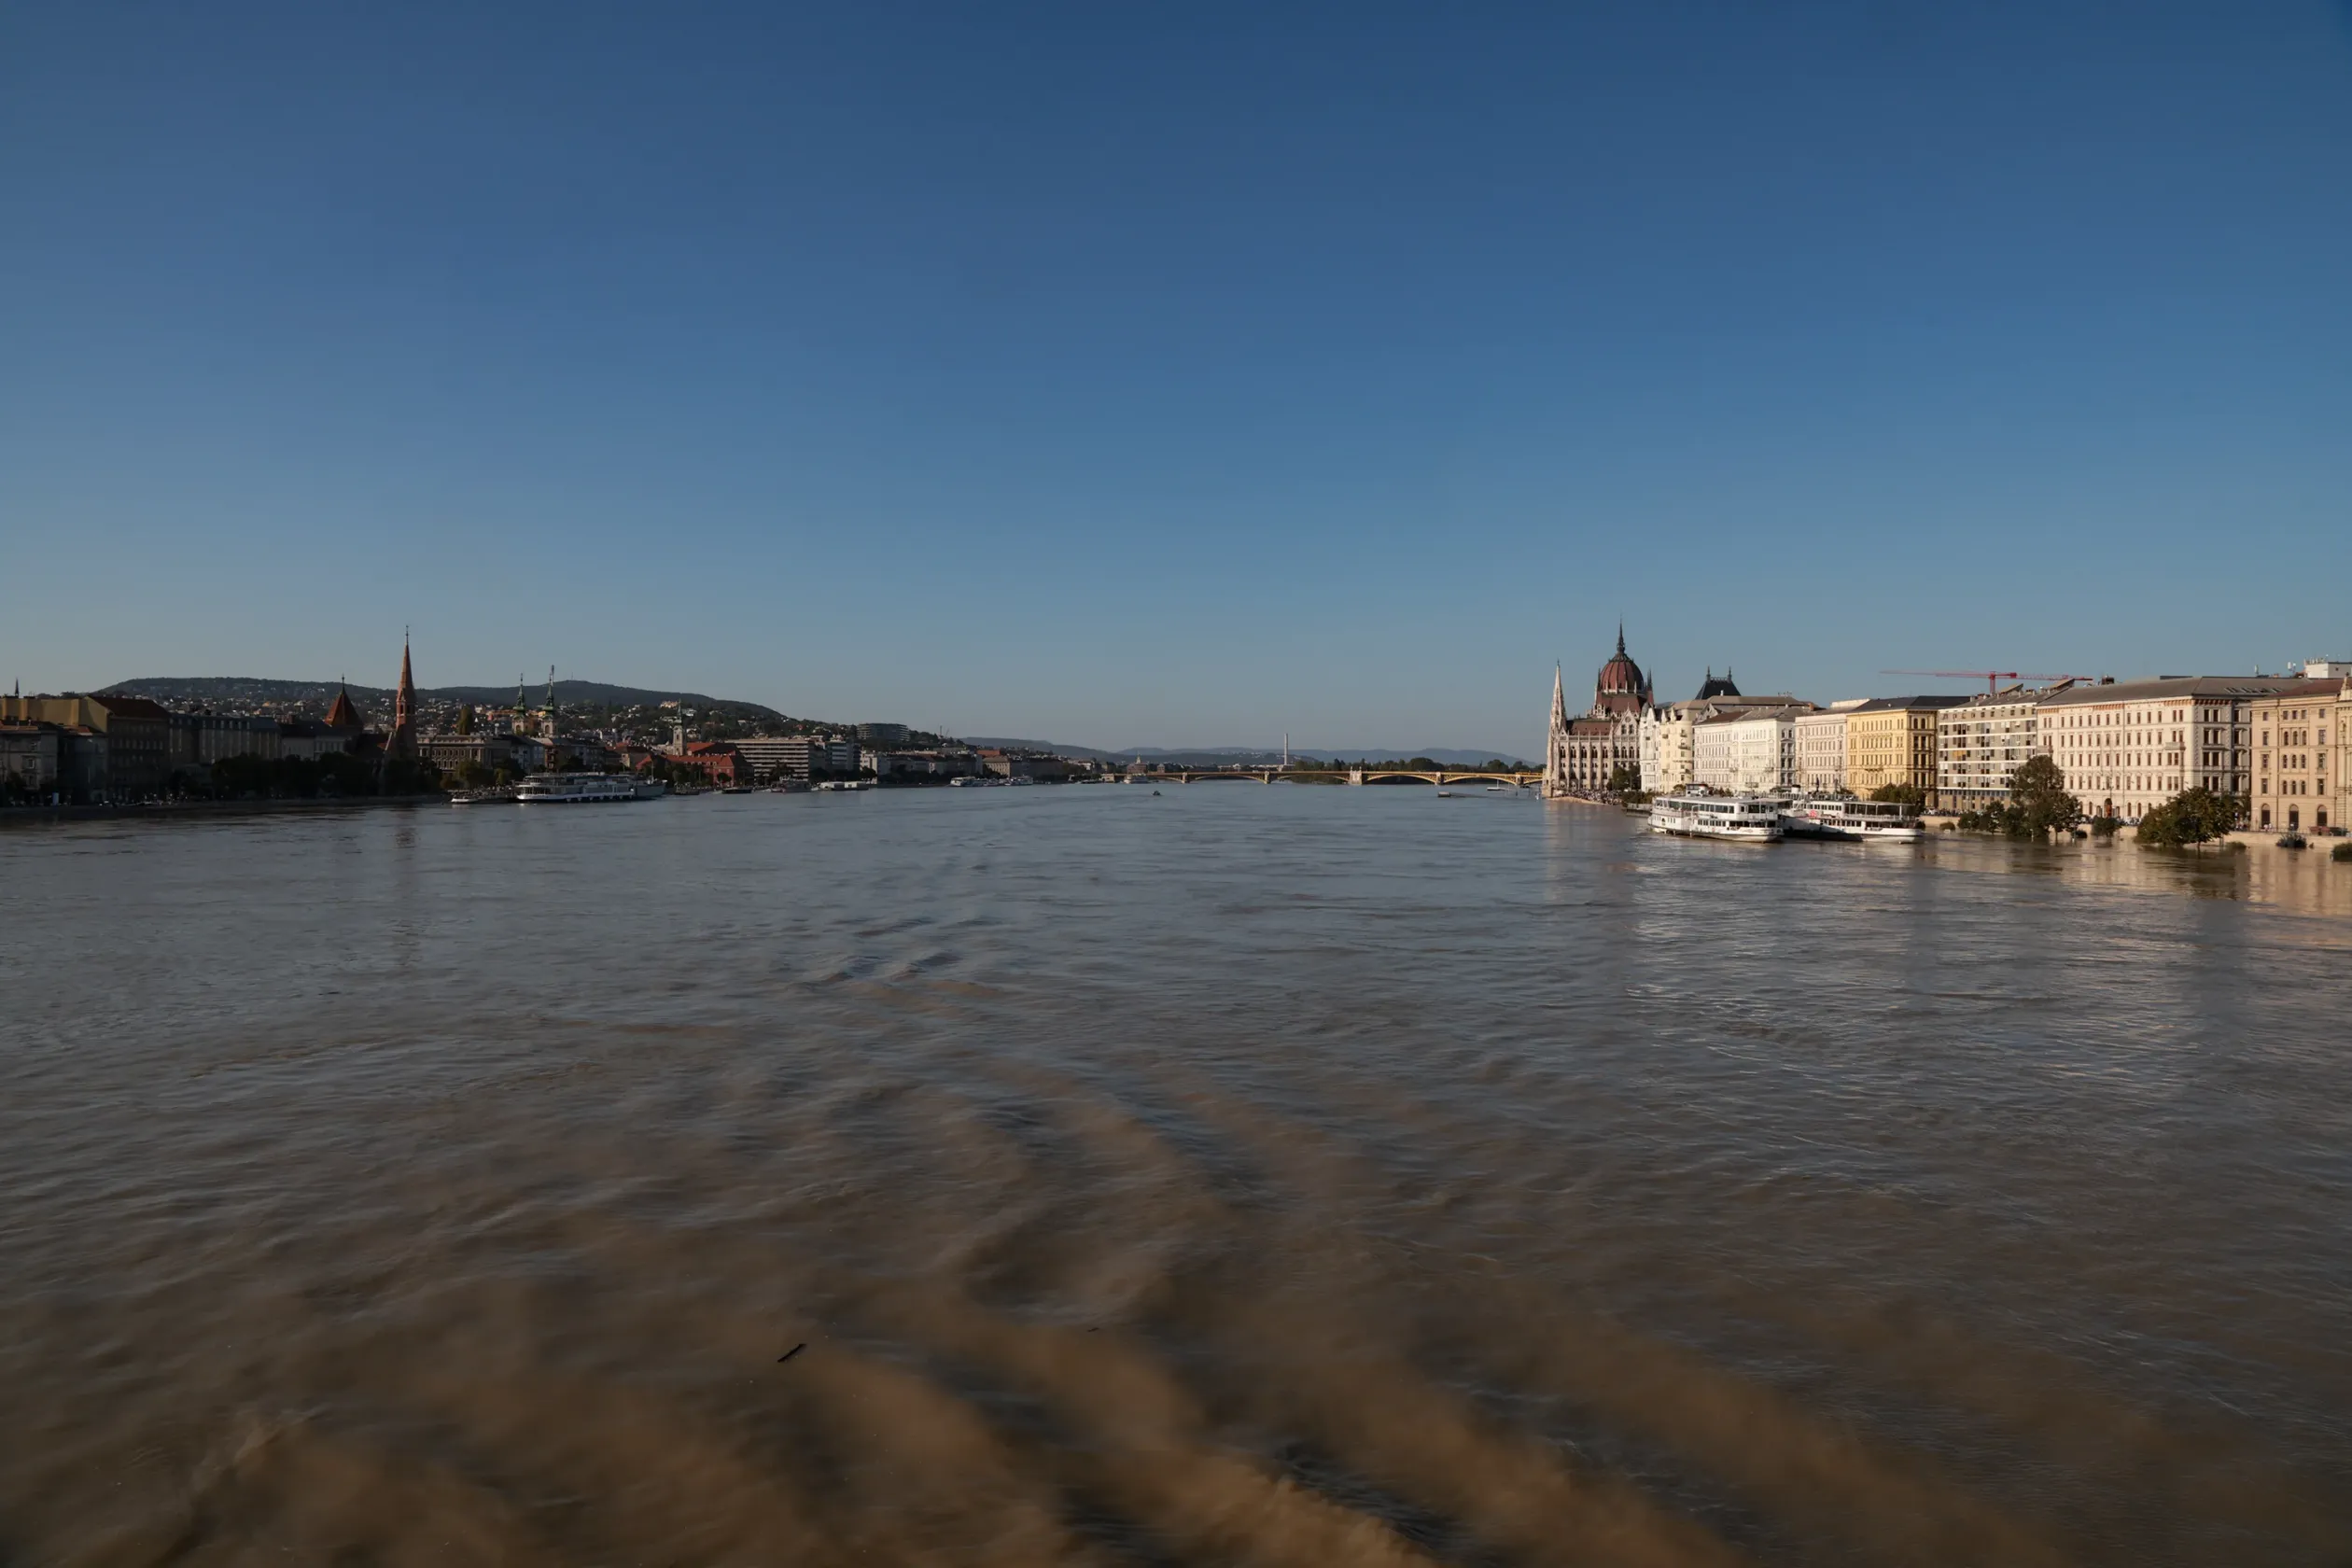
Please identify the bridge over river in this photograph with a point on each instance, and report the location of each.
(1441, 777)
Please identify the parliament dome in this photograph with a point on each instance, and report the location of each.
(1620, 686)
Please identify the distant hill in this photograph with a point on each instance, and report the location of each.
(1219, 756)
(241, 690)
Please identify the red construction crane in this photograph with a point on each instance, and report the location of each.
(1992, 679)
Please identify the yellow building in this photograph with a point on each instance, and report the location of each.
(2298, 733)
(1892, 740)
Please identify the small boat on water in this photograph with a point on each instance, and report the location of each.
(1746, 819)
(1864, 821)
(576, 788)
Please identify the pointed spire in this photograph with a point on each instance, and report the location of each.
(402, 742)
(1620, 637)
(341, 715)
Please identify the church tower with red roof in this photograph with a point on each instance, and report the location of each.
(342, 715)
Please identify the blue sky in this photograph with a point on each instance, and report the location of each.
(1178, 374)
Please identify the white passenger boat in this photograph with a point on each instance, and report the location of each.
(575, 789)
(1750, 818)
(1839, 818)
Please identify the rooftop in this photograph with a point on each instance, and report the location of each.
(2237, 686)
(1906, 705)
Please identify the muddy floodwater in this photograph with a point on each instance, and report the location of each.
(1263, 1175)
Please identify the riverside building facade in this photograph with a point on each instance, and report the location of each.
(2128, 748)
(1666, 738)
(1982, 741)
(1892, 741)
(773, 757)
(2297, 732)
(1821, 743)
(1747, 751)
(137, 750)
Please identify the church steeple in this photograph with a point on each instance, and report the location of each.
(341, 715)
(402, 742)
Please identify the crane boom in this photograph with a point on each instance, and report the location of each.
(1991, 678)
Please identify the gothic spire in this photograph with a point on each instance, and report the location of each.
(1620, 634)
(402, 742)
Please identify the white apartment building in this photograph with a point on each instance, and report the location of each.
(1821, 747)
(1986, 740)
(2125, 748)
(1666, 738)
(1746, 752)
(1653, 747)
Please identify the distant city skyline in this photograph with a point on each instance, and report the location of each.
(1104, 375)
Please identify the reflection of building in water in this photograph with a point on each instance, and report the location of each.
(2298, 881)
(2126, 749)
(2292, 749)
(1584, 753)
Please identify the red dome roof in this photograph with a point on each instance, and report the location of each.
(1620, 687)
(1619, 677)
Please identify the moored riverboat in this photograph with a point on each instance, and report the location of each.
(1889, 821)
(575, 789)
(1746, 819)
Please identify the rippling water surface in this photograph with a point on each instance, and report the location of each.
(1242, 1175)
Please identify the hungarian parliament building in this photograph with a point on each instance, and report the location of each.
(1584, 752)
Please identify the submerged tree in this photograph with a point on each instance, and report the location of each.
(2193, 816)
(2038, 803)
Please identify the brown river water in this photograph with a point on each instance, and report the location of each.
(1243, 1175)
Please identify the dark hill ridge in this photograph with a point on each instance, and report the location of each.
(234, 690)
